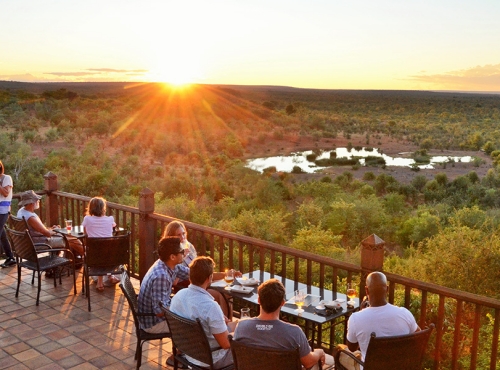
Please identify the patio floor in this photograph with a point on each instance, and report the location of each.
(61, 334)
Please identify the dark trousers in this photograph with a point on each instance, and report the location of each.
(3, 236)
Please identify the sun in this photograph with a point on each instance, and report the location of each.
(178, 73)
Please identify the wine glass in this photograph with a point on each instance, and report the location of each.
(229, 278)
(245, 313)
(299, 300)
(351, 293)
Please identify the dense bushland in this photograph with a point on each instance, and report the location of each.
(188, 146)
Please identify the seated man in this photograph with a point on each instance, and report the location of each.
(195, 302)
(379, 317)
(30, 202)
(267, 330)
(157, 284)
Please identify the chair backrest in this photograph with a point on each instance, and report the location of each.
(111, 251)
(249, 357)
(16, 223)
(129, 293)
(397, 352)
(22, 244)
(189, 337)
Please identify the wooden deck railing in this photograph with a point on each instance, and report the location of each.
(467, 325)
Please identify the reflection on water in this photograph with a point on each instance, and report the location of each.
(286, 163)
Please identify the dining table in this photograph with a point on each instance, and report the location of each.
(314, 319)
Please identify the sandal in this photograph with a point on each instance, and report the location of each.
(100, 288)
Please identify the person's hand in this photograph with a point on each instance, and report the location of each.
(237, 273)
(365, 303)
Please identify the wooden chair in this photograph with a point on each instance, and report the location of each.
(190, 339)
(28, 257)
(249, 357)
(394, 352)
(20, 224)
(142, 336)
(104, 256)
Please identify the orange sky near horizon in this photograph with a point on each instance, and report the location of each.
(429, 45)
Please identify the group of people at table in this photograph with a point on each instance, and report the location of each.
(95, 223)
(178, 262)
(179, 266)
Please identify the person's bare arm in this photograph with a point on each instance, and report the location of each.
(312, 358)
(222, 339)
(37, 225)
(5, 190)
(352, 346)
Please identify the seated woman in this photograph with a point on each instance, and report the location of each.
(177, 228)
(97, 225)
(39, 233)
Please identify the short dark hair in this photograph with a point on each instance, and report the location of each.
(271, 295)
(200, 269)
(169, 245)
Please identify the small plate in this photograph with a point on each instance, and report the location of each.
(333, 305)
(241, 289)
(247, 281)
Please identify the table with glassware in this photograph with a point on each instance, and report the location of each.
(322, 309)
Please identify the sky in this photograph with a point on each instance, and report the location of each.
(327, 44)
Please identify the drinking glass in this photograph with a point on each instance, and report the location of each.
(245, 314)
(299, 300)
(229, 277)
(69, 224)
(351, 293)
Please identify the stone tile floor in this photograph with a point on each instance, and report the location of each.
(60, 333)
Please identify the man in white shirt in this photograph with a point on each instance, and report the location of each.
(379, 317)
(195, 302)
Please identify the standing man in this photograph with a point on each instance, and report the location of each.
(267, 330)
(196, 303)
(380, 317)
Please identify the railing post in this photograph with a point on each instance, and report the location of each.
(51, 206)
(147, 227)
(372, 259)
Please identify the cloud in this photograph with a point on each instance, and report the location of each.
(27, 77)
(111, 70)
(479, 78)
(73, 74)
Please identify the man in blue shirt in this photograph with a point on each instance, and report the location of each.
(157, 284)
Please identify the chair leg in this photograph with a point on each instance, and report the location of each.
(19, 279)
(138, 354)
(87, 283)
(39, 287)
(33, 278)
(74, 278)
(83, 280)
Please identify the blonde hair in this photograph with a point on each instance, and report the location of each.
(172, 227)
(97, 207)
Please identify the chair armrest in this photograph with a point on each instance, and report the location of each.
(349, 354)
(62, 250)
(48, 248)
(42, 245)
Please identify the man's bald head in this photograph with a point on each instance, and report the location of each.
(376, 285)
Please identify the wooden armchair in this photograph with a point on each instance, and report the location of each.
(190, 339)
(104, 256)
(28, 257)
(395, 352)
(248, 357)
(142, 336)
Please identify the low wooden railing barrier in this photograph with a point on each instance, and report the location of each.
(467, 325)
